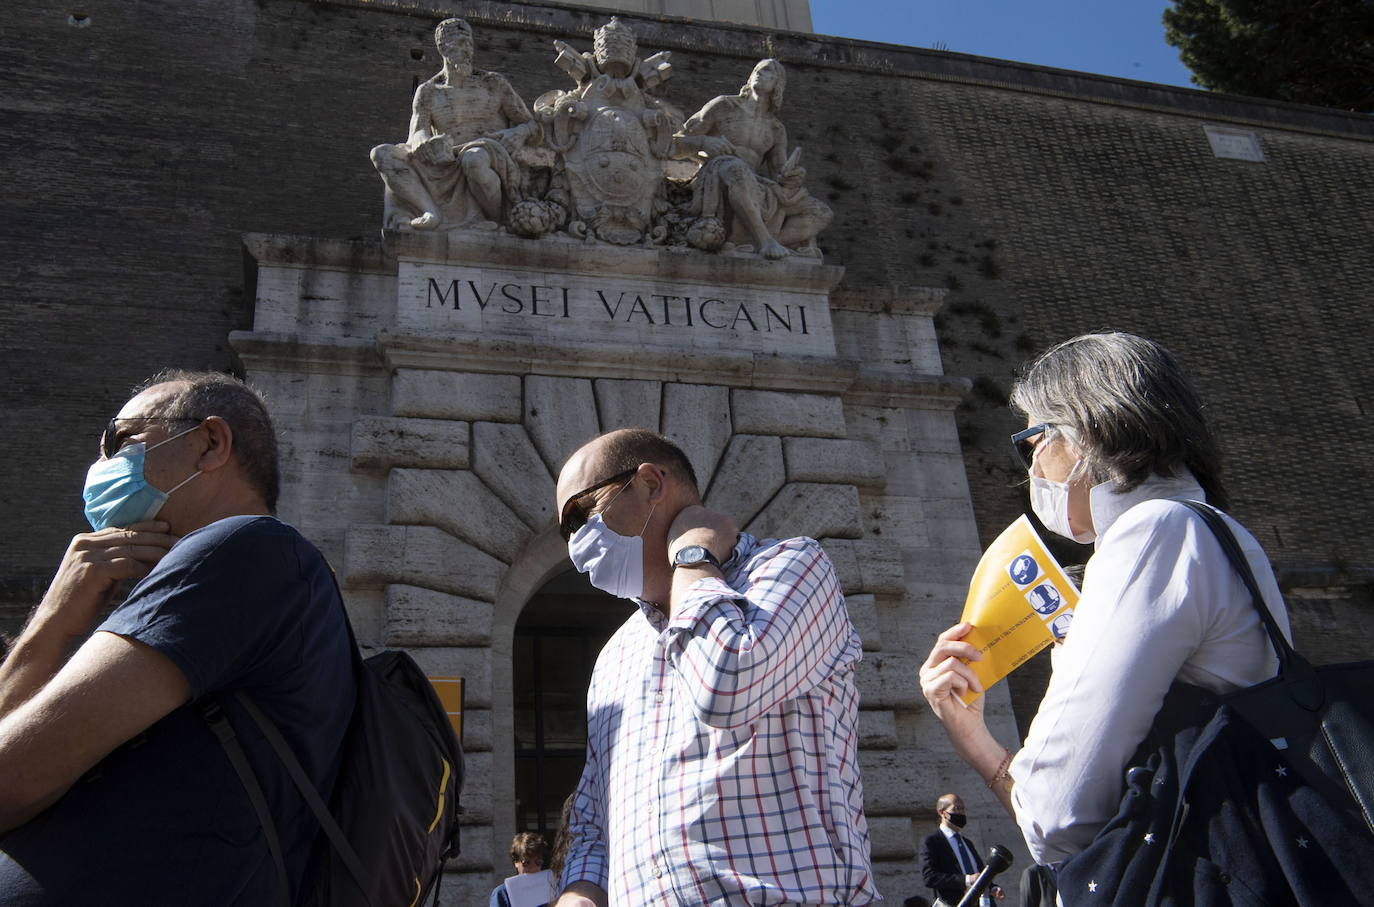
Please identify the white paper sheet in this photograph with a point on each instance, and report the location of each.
(531, 890)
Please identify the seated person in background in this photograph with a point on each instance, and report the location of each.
(113, 790)
(529, 852)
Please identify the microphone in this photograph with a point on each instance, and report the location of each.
(999, 858)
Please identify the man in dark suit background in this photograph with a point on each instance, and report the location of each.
(949, 862)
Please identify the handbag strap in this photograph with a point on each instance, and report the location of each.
(1215, 522)
(1296, 671)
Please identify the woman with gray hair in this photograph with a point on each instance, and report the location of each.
(1115, 440)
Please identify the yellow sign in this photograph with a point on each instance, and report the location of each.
(1019, 602)
(450, 690)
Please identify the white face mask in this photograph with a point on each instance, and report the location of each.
(615, 562)
(1050, 501)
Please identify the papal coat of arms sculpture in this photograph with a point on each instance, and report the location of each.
(591, 161)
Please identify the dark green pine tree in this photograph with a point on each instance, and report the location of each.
(1308, 51)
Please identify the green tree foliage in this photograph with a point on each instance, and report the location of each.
(1308, 51)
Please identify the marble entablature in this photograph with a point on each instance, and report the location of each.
(592, 161)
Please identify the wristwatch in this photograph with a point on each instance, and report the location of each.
(695, 556)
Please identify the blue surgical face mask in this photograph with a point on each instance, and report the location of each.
(118, 494)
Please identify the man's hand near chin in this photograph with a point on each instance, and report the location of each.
(581, 894)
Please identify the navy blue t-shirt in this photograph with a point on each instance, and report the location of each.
(244, 604)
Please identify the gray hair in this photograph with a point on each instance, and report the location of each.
(215, 394)
(1128, 406)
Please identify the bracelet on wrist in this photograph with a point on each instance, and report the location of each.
(1002, 773)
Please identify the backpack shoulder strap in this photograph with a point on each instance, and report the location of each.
(309, 793)
(214, 716)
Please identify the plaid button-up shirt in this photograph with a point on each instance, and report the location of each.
(722, 763)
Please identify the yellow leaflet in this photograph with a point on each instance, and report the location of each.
(1018, 602)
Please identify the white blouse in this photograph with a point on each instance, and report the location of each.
(1160, 603)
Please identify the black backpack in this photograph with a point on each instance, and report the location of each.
(393, 819)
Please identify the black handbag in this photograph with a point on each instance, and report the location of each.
(1322, 718)
(1259, 797)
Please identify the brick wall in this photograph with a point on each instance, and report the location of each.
(144, 144)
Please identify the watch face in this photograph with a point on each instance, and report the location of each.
(691, 555)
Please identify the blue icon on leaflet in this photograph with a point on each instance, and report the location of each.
(1060, 625)
(1044, 598)
(1024, 570)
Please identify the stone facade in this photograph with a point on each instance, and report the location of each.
(1043, 203)
(437, 382)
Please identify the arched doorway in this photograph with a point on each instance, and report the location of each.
(557, 638)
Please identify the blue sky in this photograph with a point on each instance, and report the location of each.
(1122, 38)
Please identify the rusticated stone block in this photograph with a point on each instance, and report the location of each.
(628, 403)
(473, 860)
(898, 782)
(463, 889)
(472, 663)
(899, 879)
(697, 418)
(841, 554)
(504, 456)
(750, 474)
(891, 838)
(419, 556)
(947, 565)
(424, 617)
(477, 801)
(867, 565)
(889, 680)
(458, 502)
(367, 613)
(776, 413)
(805, 508)
(951, 521)
(898, 519)
(863, 614)
(560, 415)
(380, 443)
(477, 730)
(834, 460)
(455, 395)
(926, 475)
(877, 730)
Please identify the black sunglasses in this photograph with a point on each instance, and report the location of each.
(112, 439)
(1023, 443)
(574, 518)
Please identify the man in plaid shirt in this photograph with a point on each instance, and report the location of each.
(721, 744)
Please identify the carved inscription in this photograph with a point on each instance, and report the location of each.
(704, 311)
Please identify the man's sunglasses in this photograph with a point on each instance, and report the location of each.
(574, 517)
(112, 439)
(1023, 443)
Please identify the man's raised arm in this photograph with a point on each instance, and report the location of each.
(742, 653)
(58, 720)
